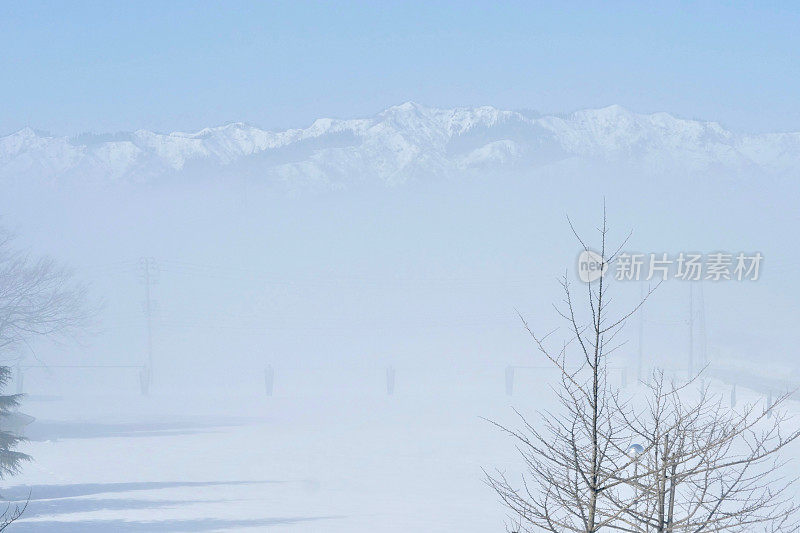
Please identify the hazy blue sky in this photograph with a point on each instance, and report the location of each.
(108, 66)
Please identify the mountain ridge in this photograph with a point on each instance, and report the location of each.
(401, 143)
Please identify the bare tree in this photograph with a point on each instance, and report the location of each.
(698, 466)
(576, 459)
(705, 467)
(37, 297)
(12, 514)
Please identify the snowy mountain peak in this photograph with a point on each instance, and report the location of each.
(405, 107)
(26, 132)
(400, 143)
(613, 111)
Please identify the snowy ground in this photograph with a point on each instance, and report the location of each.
(331, 463)
(355, 464)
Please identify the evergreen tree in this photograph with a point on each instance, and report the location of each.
(10, 459)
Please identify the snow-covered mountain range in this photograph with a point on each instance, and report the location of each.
(403, 142)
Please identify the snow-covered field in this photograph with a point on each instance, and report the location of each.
(328, 463)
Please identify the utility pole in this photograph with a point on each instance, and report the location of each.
(641, 339)
(390, 374)
(269, 379)
(703, 338)
(149, 277)
(509, 380)
(691, 330)
(20, 377)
